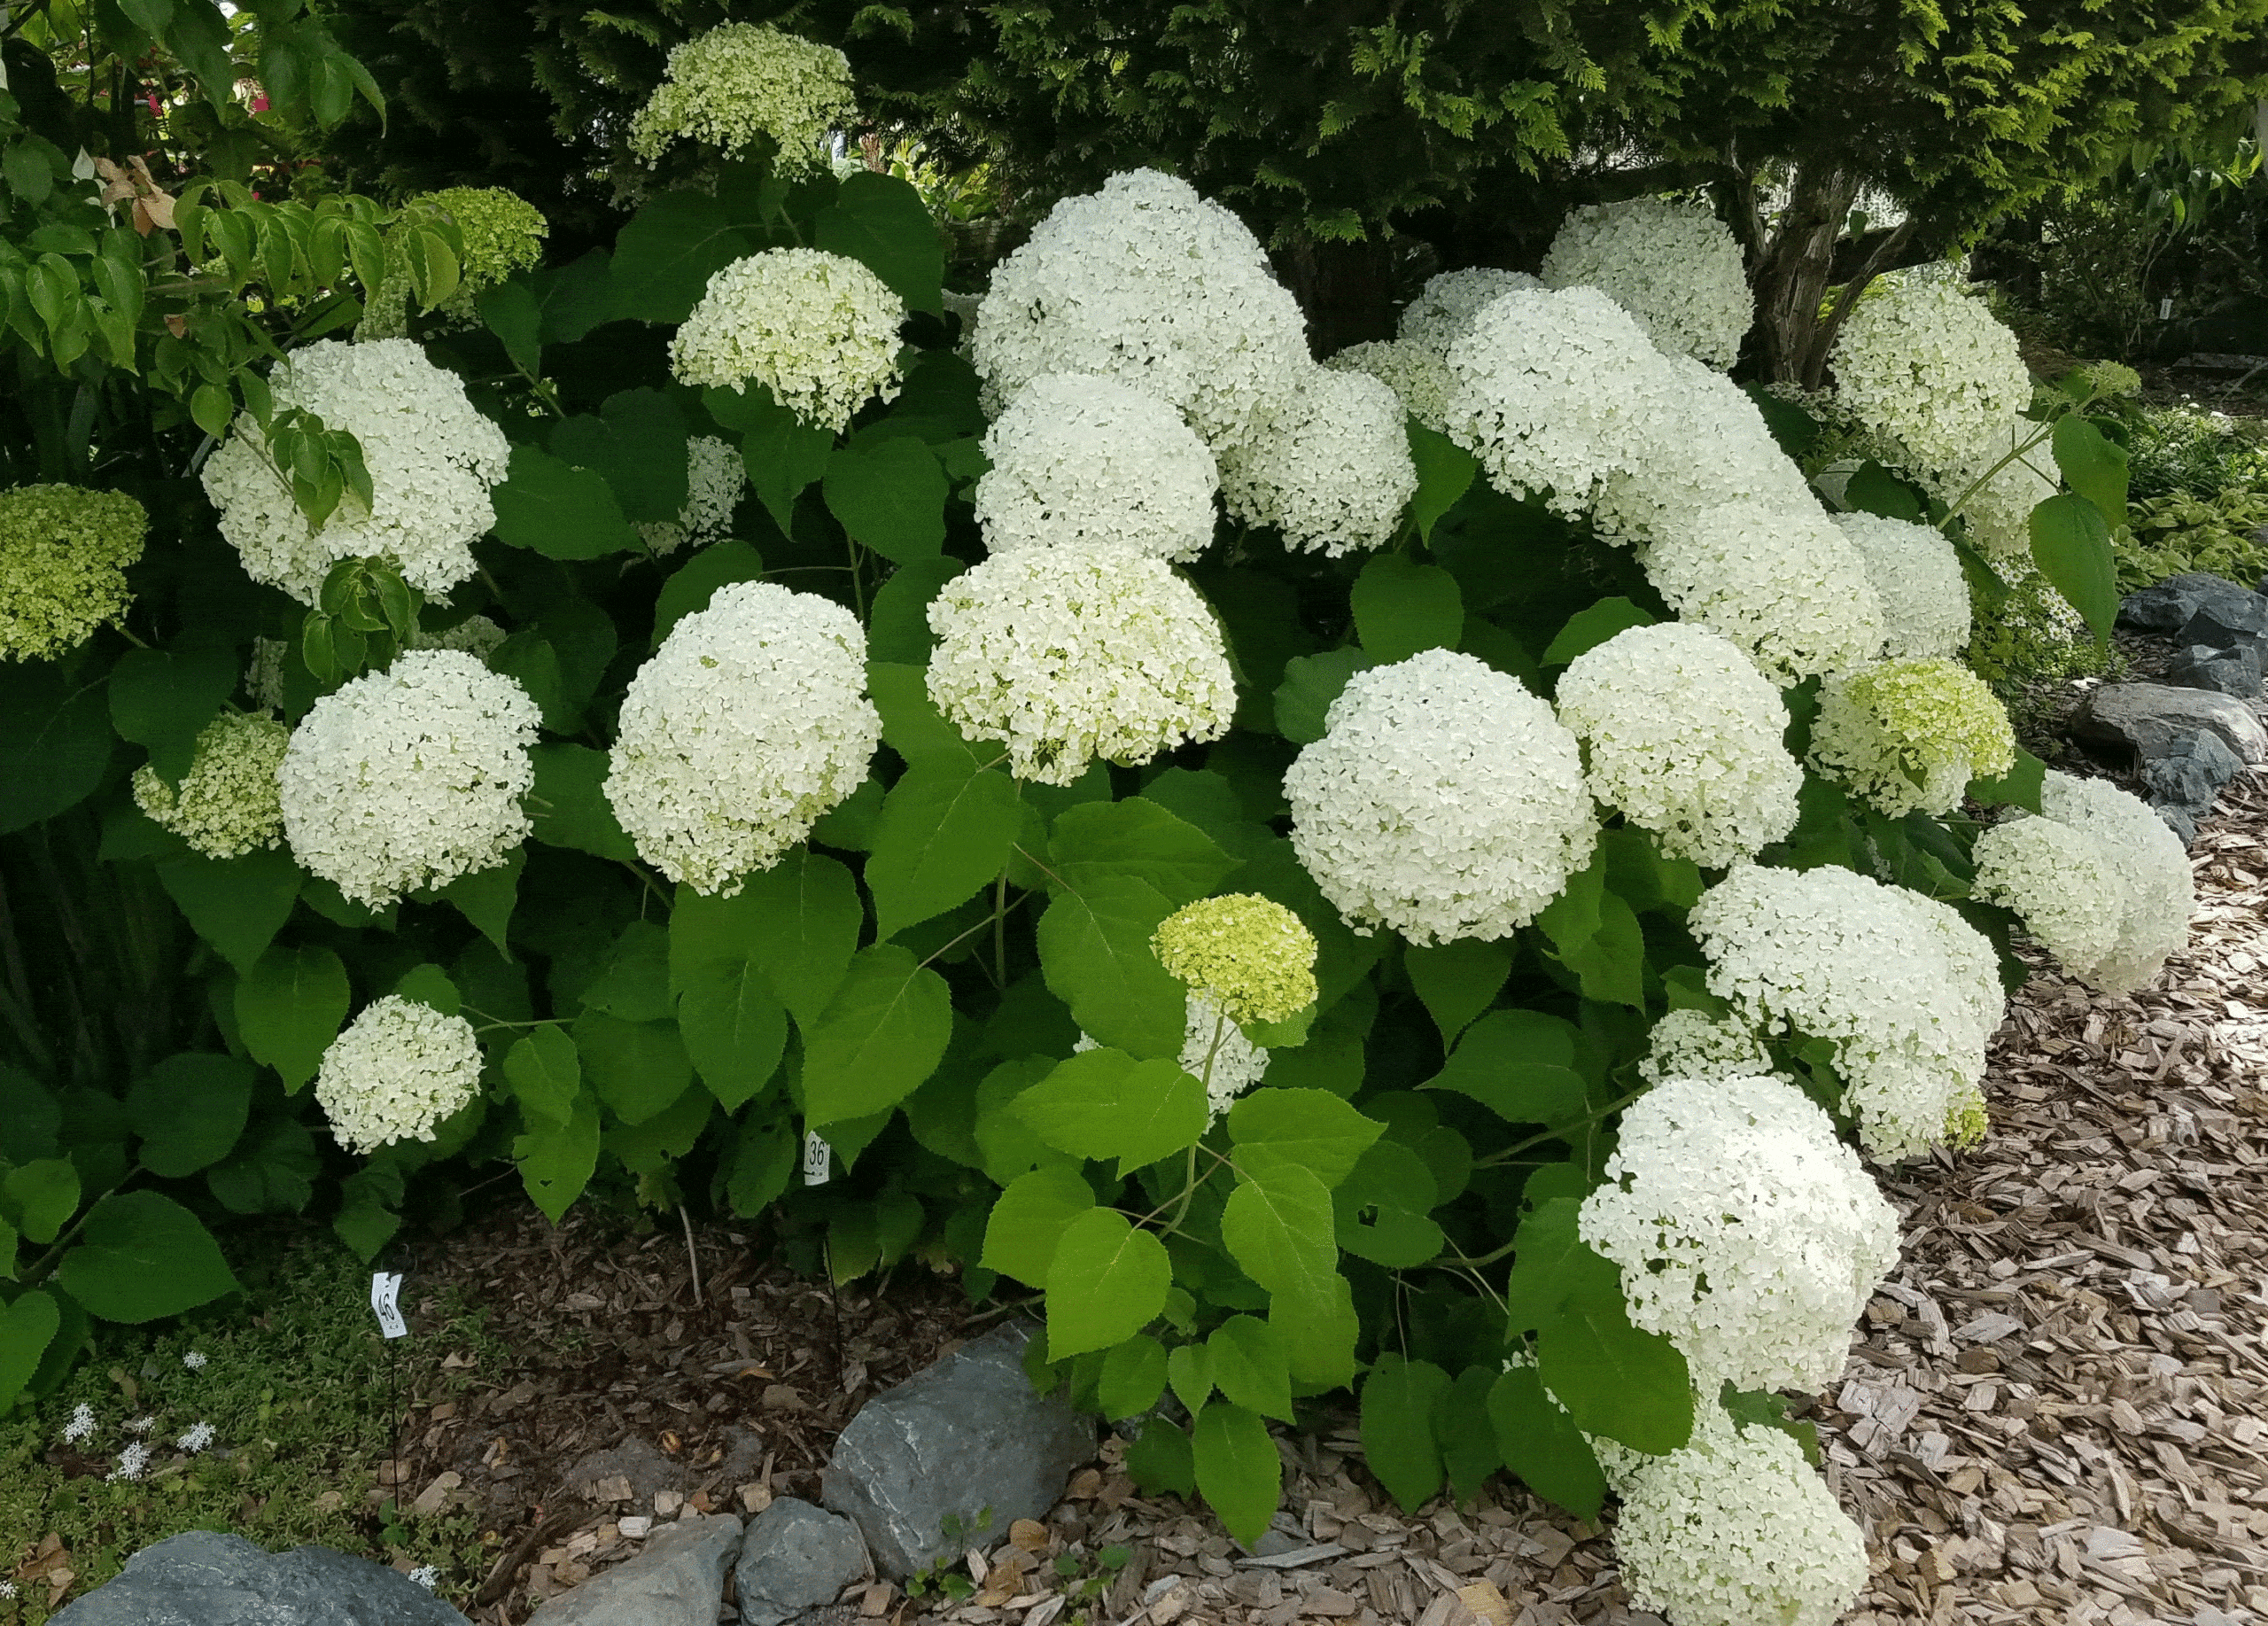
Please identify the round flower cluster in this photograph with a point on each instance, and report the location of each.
(1245, 955)
(1909, 733)
(1733, 1530)
(1784, 586)
(1443, 800)
(819, 331)
(502, 232)
(1068, 653)
(1692, 1044)
(1707, 445)
(1145, 282)
(1685, 737)
(477, 635)
(1746, 1232)
(1551, 389)
(1418, 379)
(1998, 513)
(395, 1072)
(1077, 458)
(1916, 576)
(1905, 989)
(748, 725)
(1676, 267)
(2100, 881)
(63, 550)
(733, 83)
(410, 777)
(1329, 466)
(433, 460)
(715, 476)
(1922, 362)
(227, 804)
(1415, 364)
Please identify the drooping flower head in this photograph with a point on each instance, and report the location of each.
(1674, 267)
(1077, 458)
(1921, 361)
(748, 725)
(1746, 1232)
(715, 478)
(1245, 955)
(1915, 573)
(63, 550)
(819, 331)
(1685, 737)
(1068, 653)
(1443, 800)
(502, 232)
(227, 804)
(433, 461)
(407, 778)
(1906, 990)
(1909, 733)
(395, 1072)
(1786, 586)
(1145, 282)
(1328, 464)
(1733, 1530)
(1998, 512)
(1216, 1053)
(730, 85)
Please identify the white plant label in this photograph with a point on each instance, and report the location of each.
(385, 1285)
(2165, 310)
(819, 1159)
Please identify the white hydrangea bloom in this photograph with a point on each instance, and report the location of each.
(1733, 1530)
(1068, 654)
(1444, 307)
(2161, 894)
(1329, 466)
(1684, 736)
(410, 777)
(477, 635)
(1212, 1045)
(1443, 800)
(1419, 378)
(1906, 989)
(1553, 392)
(1673, 265)
(226, 804)
(1692, 1044)
(819, 331)
(1746, 1232)
(1909, 733)
(1916, 575)
(1708, 445)
(748, 723)
(1145, 282)
(1077, 458)
(1415, 365)
(1999, 512)
(395, 1072)
(728, 86)
(1922, 362)
(1785, 585)
(2063, 881)
(715, 478)
(433, 461)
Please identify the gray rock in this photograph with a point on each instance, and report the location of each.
(640, 1461)
(679, 1580)
(206, 1578)
(2225, 671)
(2183, 782)
(964, 1440)
(795, 1558)
(2163, 606)
(2228, 624)
(2148, 719)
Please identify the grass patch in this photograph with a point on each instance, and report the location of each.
(299, 1392)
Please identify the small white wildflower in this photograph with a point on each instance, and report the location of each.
(81, 1424)
(140, 1425)
(1328, 464)
(199, 1436)
(133, 1462)
(1674, 267)
(7, 1587)
(819, 331)
(395, 1072)
(194, 1360)
(426, 1576)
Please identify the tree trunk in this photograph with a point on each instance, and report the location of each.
(1344, 290)
(1791, 277)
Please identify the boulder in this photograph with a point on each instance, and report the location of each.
(679, 1580)
(2163, 607)
(206, 1578)
(2225, 671)
(2228, 624)
(2147, 721)
(965, 1439)
(797, 1557)
(2182, 782)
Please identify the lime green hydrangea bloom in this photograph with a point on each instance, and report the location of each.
(63, 550)
(1909, 733)
(733, 83)
(227, 804)
(1248, 956)
(1969, 1121)
(503, 233)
